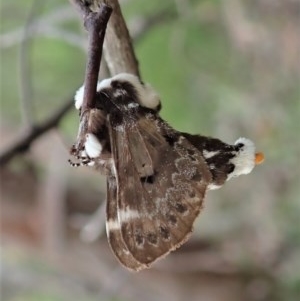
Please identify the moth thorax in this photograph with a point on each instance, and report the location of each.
(96, 121)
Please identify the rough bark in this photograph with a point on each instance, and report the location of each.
(118, 49)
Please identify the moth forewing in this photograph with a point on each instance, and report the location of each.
(113, 228)
(156, 213)
(142, 159)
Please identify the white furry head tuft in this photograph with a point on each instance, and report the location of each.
(149, 98)
(244, 160)
(146, 94)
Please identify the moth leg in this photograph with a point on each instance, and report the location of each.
(83, 161)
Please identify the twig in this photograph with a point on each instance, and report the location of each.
(36, 131)
(124, 61)
(95, 23)
(25, 80)
(46, 26)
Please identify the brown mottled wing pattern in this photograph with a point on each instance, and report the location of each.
(156, 177)
(155, 213)
(114, 233)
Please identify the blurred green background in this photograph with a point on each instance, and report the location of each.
(223, 68)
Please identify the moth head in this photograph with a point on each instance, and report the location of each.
(125, 84)
(130, 85)
(245, 159)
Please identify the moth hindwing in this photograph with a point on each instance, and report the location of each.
(157, 177)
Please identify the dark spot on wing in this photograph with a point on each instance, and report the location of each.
(197, 177)
(191, 152)
(152, 238)
(192, 193)
(171, 219)
(116, 118)
(139, 239)
(192, 158)
(180, 207)
(171, 139)
(148, 179)
(165, 233)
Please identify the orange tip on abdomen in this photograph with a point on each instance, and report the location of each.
(259, 158)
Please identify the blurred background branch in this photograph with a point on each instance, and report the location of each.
(45, 26)
(24, 142)
(25, 84)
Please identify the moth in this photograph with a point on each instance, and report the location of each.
(157, 177)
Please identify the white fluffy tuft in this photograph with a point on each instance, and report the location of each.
(92, 146)
(147, 96)
(79, 97)
(244, 160)
(105, 83)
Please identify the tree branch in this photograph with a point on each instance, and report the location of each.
(95, 23)
(118, 49)
(120, 55)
